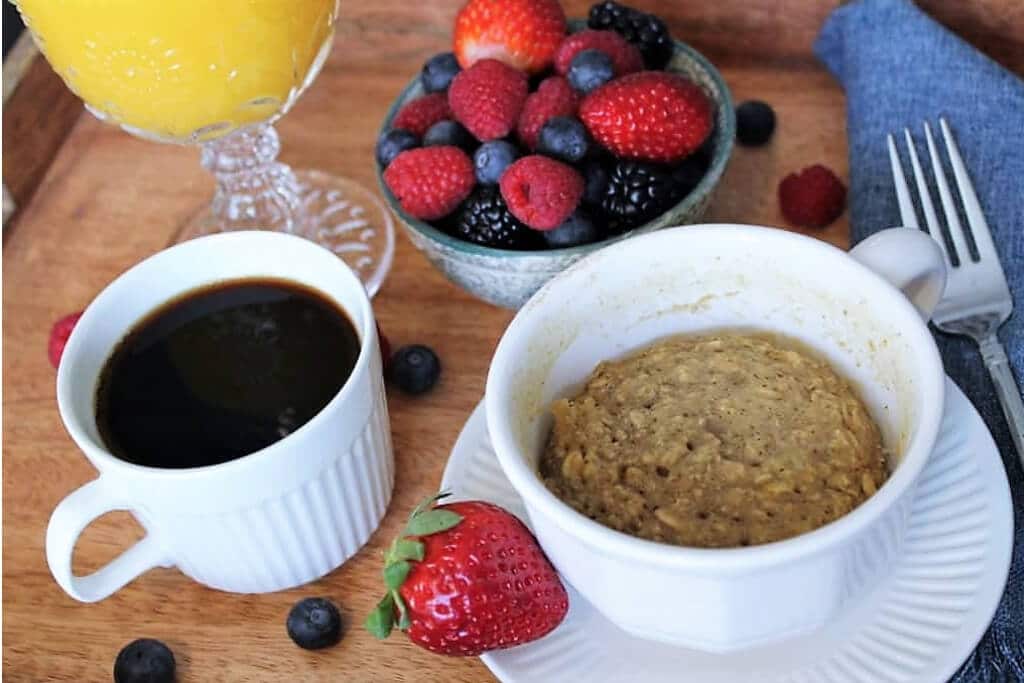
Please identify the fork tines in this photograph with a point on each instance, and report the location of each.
(961, 246)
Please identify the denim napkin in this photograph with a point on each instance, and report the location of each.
(899, 67)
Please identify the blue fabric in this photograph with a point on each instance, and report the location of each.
(899, 68)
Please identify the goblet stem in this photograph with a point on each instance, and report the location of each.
(254, 190)
(257, 192)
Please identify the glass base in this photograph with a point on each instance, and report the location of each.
(338, 214)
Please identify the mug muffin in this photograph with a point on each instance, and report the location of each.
(714, 441)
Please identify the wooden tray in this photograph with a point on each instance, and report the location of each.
(108, 200)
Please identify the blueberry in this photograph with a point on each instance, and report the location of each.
(492, 158)
(596, 176)
(688, 174)
(314, 623)
(577, 229)
(144, 661)
(393, 143)
(755, 123)
(565, 138)
(590, 69)
(414, 369)
(449, 133)
(439, 71)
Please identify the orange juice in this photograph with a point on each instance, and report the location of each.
(183, 69)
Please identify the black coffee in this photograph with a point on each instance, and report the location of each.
(223, 371)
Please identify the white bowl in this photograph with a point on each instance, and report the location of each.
(704, 277)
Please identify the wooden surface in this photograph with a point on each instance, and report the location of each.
(38, 114)
(109, 200)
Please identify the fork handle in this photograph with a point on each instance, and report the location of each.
(998, 365)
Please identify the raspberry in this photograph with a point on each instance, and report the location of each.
(541, 192)
(429, 182)
(59, 334)
(487, 98)
(625, 57)
(554, 97)
(812, 198)
(420, 114)
(649, 116)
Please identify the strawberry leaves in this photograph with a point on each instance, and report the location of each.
(424, 521)
(432, 522)
(382, 618)
(408, 549)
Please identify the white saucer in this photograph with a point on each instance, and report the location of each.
(919, 625)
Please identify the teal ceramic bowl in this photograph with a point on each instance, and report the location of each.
(509, 278)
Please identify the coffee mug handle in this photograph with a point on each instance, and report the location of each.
(67, 522)
(911, 261)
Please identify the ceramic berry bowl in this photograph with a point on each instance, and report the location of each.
(453, 230)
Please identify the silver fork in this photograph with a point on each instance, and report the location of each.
(977, 300)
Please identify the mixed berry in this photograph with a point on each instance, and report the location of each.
(414, 369)
(59, 335)
(466, 578)
(531, 138)
(755, 123)
(314, 623)
(812, 198)
(145, 660)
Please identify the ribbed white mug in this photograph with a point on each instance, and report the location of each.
(273, 519)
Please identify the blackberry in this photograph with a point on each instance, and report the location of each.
(485, 219)
(646, 31)
(636, 193)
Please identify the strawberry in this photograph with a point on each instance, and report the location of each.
(626, 58)
(466, 578)
(422, 113)
(649, 116)
(522, 33)
(487, 97)
(554, 97)
(59, 334)
(429, 182)
(812, 198)
(541, 192)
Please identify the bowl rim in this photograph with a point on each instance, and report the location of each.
(724, 133)
(741, 560)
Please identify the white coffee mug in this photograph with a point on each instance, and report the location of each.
(270, 520)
